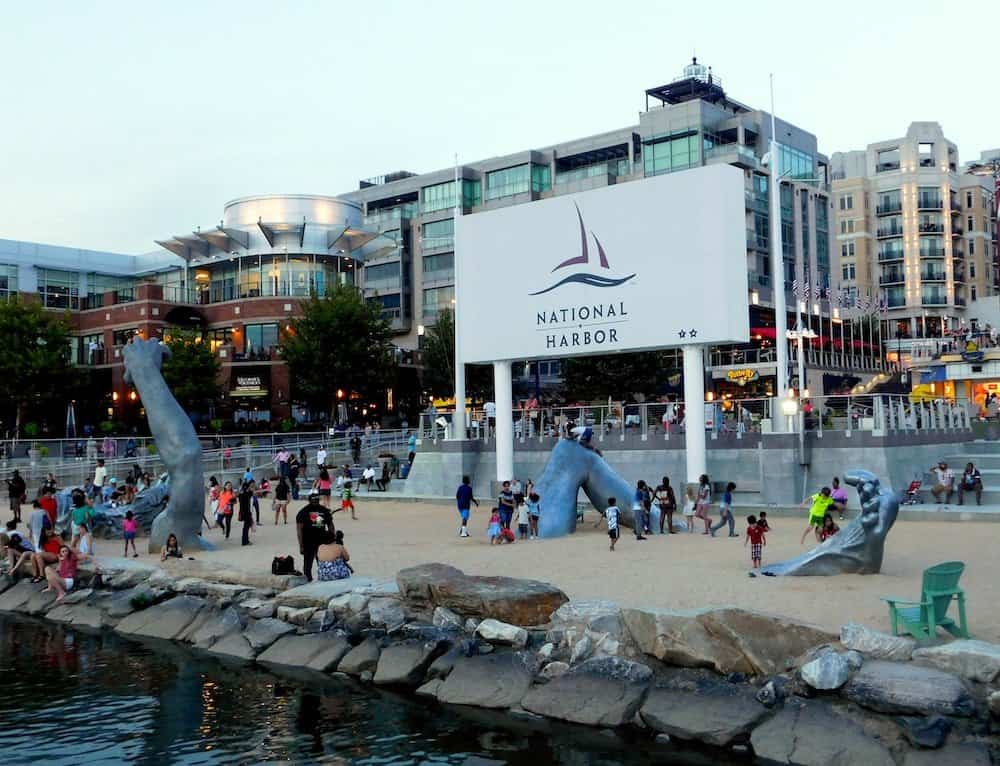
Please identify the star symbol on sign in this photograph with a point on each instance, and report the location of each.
(693, 333)
(681, 334)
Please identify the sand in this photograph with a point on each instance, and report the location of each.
(676, 571)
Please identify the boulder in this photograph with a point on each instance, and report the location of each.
(262, 633)
(521, 602)
(582, 649)
(168, 619)
(447, 619)
(993, 701)
(773, 692)
(40, 601)
(827, 672)
(496, 681)
(974, 660)
(406, 663)
(385, 612)
(258, 608)
(443, 665)
(721, 717)
(363, 657)
(121, 573)
(923, 731)
(218, 572)
(598, 616)
(502, 633)
(340, 606)
(546, 651)
(319, 592)
(6, 581)
(607, 691)
(967, 754)
(554, 670)
(79, 616)
(78, 596)
(854, 659)
(214, 625)
(896, 687)
(15, 598)
(813, 735)
(295, 616)
(725, 639)
(122, 603)
(875, 645)
(316, 651)
(429, 689)
(234, 646)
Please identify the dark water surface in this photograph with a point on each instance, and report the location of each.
(69, 697)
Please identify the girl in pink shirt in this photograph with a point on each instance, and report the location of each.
(129, 529)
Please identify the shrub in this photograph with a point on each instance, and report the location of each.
(31, 429)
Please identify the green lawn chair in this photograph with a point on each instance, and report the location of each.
(922, 618)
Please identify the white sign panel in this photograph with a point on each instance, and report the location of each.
(641, 265)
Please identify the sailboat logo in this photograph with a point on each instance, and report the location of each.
(594, 280)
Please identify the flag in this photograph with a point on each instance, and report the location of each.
(795, 289)
(817, 291)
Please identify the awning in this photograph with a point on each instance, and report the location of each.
(934, 374)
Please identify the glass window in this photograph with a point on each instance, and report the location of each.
(121, 337)
(437, 298)
(8, 281)
(847, 250)
(972, 247)
(541, 178)
(384, 276)
(441, 266)
(391, 305)
(795, 163)
(222, 336)
(59, 289)
(888, 159)
(972, 269)
(968, 199)
(439, 234)
(437, 197)
(509, 181)
(669, 153)
(970, 223)
(889, 202)
(260, 338)
(972, 292)
(929, 197)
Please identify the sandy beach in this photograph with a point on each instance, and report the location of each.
(678, 572)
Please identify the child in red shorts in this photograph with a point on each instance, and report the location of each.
(756, 539)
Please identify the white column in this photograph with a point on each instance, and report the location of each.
(777, 261)
(694, 406)
(503, 396)
(459, 422)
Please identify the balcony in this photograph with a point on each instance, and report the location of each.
(927, 202)
(933, 275)
(932, 228)
(956, 230)
(959, 300)
(958, 275)
(428, 244)
(892, 278)
(733, 154)
(896, 302)
(956, 208)
(884, 232)
(895, 206)
(936, 298)
(757, 241)
(886, 167)
(932, 252)
(890, 255)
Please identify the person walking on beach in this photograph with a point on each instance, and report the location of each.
(726, 512)
(704, 501)
(756, 538)
(130, 527)
(494, 529)
(640, 521)
(227, 499)
(280, 504)
(464, 500)
(612, 514)
(818, 504)
(322, 486)
(505, 502)
(281, 459)
(246, 509)
(534, 513)
(312, 525)
(664, 495)
(347, 500)
(523, 525)
(690, 502)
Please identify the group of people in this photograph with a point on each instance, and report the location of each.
(320, 542)
(971, 481)
(514, 500)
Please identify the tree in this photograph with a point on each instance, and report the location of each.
(35, 369)
(438, 373)
(192, 371)
(620, 376)
(339, 342)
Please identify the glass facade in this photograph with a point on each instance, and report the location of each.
(795, 164)
(518, 180)
(442, 196)
(671, 152)
(59, 289)
(436, 299)
(614, 167)
(439, 267)
(439, 235)
(889, 202)
(384, 276)
(259, 339)
(8, 281)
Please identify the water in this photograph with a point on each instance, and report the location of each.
(69, 697)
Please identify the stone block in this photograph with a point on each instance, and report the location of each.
(719, 716)
(318, 593)
(607, 691)
(502, 633)
(897, 687)
(316, 651)
(876, 645)
(974, 660)
(406, 664)
(363, 657)
(262, 633)
(495, 681)
(167, 620)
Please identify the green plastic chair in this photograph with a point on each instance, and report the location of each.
(922, 618)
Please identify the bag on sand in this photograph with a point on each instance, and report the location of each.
(283, 565)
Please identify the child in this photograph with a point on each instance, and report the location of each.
(494, 529)
(611, 515)
(522, 521)
(689, 504)
(129, 527)
(756, 540)
(829, 528)
(819, 504)
(346, 500)
(726, 512)
(762, 522)
(534, 512)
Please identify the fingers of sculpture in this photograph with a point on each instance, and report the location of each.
(146, 354)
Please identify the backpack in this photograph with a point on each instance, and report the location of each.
(283, 565)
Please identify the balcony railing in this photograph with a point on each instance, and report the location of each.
(890, 231)
(933, 275)
(928, 202)
(934, 299)
(885, 167)
(959, 300)
(890, 255)
(892, 278)
(955, 206)
(889, 208)
(437, 243)
(932, 228)
(896, 303)
(932, 252)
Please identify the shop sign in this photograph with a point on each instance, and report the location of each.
(742, 377)
(248, 383)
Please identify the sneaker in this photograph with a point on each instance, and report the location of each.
(712, 532)
(751, 574)
(639, 537)
(733, 535)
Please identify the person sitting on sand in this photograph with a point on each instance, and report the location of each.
(171, 549)
(331, 559)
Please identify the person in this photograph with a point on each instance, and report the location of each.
(100, 476)
(762, 522)
(534, 513)
(18, 550)
(214, 490)
(130, 527)
(726, 512)
(382, 483)
(332, 558)
(280, 504)
(38, 520)
(347, 500)
(518, 492)
(303, 461)
(356, 449)
(464, 500)
(704, 501)
(971, 481)
(756, 539)
(818, 504)
(82, 513)
(312, 523)
(281, 459)
(493, 531)
(411, 445)
(690, 501)
(15, 491)
(47, 553)
(109, 448)
(640, 522)
(490, 410)
(227, 499)
(320, 457)
(945, 485)
(62, 577)
(829, 528)
(839, 495)
(293, 475)
(338, 538)
(171, 548)
(245, 497)
(664, 495)
(505, 502)
(322, 486)
(368, 477)
(522, 522)
(86, 545)
(612, 514)
(50, 483)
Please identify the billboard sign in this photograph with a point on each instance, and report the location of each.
(642, 265)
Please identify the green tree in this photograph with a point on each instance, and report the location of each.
(338, 342)
(192, 371)
(620, 376)
(35, 371)
(438, 356)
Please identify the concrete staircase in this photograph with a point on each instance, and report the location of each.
(986, 457)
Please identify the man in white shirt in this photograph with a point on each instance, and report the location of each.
(945, 482)
(100, 474)
(368, 477)
(321, 457)
(490, 408)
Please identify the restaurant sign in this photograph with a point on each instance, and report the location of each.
(742, 377)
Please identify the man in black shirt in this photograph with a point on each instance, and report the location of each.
(15, 491)
(312, 524)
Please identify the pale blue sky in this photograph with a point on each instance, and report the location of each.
(125, 122)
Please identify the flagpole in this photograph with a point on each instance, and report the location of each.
(777, 264)
(458, 421)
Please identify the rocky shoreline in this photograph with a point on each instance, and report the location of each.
(759, 686)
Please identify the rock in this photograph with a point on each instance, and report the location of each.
(216, 625)
(318, 593)
(15, 598)
(993, 701)
(662, 739)
(925, 732)
(340, 606)
(875, 645)
(262, 633)
(725, 639)
(443, 665)
(773, 692)
(471, 624)
(854, 659)
(895, 687)
(358, 602)
(484, 648)
(581, 650)
(6, 581)
(521, 602)
(167, 620)
(317, 623)
(447, 619)
(234, 646)
(554, 670)
(362, 657)
(953, 755)
(502, 633)
(496, 681)
(40, 601)
(974, 660)
(827, 672)
(122, 573)
(721, 717)
(366, 676)
(318, 651)
(607, 691)
(258, 608)
(386, 613)
(76, 596)
(813, 735)
(406, 664)
(295, 616)
(429, 689)
(122, 603)
(598, 616)
(79, 616)
(546, 651)
(217, 572)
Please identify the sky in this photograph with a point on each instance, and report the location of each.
(124, 122)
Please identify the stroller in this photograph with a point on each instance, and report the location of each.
(912, 494)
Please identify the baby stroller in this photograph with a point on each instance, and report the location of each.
(912, 494)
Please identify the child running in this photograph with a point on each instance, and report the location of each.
(820, 504)
(346, 500)
(689, 504)
(534, 513)
(494, 529)
(129, 528)
(611, 515)
(756, 539)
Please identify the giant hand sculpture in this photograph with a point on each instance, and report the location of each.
(176, 441)
(859, 546)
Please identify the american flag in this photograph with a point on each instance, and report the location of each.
(817, 292)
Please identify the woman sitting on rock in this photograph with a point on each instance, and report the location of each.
(332, 558)
(62, 577)
(171, 549)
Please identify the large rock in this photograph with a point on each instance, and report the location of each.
(122, 573)
(924, 731)
(720, 717)
(40, 601)
(258, 608)
(597, 616)
(875, 645)
(234, 646)
(122, 603)
(607, 691)
(262, 633)
(974, 660)
(446, 619)
(725, 639)
(406, 663)
(214, 625)
(967, 754)
(167, 620)
(499, 632)
(295, 616)
(386, 613)
(521, 602)
(896, 687)
(6, 581)
(218, 572)
(827, 672)
(362, 658)
(813, 735)
(80, 616)
(319, 592)
(15, 598)
(316, 651)
(488, 681)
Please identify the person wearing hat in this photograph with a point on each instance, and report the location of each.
(312, 524)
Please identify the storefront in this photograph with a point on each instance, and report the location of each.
(757, 382)
(250, 393)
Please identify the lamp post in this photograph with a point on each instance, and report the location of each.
(799, 334)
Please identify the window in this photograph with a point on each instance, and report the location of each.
(8, 281)
(439, 235)
(390, 305)
(972, 270)
(968, 199)
(888, 159)
(384, 276)
(848, 271)
(518, 180)
(970, 222)
(972, 247)
(929, 197)
(847, 202)
(438, 267)
(220, 337)
(972, 292)
(436, 299)
(442, 196)
(889, 202)
(59, 289)
(121, 337)
(847, 227)
(541, 178)
(260, 338)
(795, 163)
(847, 250)
(926, 153)
(668, 153)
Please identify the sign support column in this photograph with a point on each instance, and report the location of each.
(503, 396)
(458, 421)
(694, 408)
